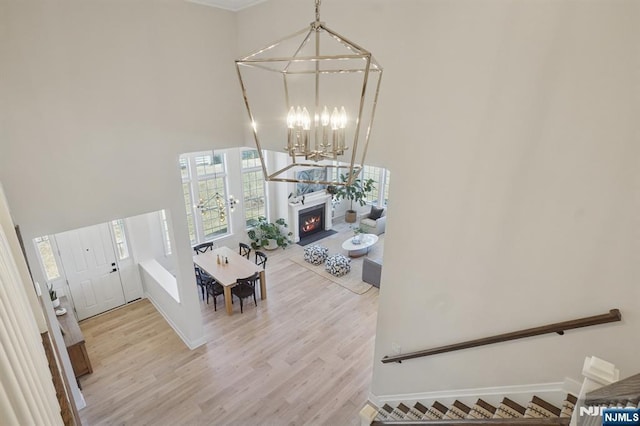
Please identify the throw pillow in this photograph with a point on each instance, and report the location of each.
(375, 213)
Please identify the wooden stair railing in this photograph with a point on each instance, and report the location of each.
(467, 422)
(623, 391)
(559, 327)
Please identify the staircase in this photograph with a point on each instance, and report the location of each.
(537, 412)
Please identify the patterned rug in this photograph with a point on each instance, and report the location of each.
(351, 281)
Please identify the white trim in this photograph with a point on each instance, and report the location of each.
(600, 370)
(162, 277)
(190, 344)
(553, 392)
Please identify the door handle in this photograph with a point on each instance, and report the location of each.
(114, 270)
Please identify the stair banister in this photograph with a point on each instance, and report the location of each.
(560, 327)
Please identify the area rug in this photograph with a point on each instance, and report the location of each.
(351, 281)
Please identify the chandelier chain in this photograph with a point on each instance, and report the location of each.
(318, 10)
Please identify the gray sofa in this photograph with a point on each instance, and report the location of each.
(371, 271)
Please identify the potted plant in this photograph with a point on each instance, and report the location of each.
(357, 191)
(269, 235)
(356, 235)
(53, 296)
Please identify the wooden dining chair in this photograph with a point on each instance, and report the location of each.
(209, 286)
(261, 259)
(244, 250)
(214, 289)
(202, 248)
(245, 288)
(200, 281)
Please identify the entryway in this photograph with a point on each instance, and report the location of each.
(91, 267)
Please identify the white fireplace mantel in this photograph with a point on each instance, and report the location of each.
(310, 200)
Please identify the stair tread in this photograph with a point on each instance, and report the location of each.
(481, 410)
(546, 405)
(420, 407)
(457, 411)
(509, 409)
(440, 407)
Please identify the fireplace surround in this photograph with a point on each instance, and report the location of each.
(311, 200)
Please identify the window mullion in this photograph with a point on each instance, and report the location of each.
(195, 200)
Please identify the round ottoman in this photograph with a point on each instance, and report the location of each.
(337, 265)
(315, 254)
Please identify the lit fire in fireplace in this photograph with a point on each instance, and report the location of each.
(311, 223)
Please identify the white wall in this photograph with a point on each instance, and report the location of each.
(511, 131)
(99, 99)
(146, 240)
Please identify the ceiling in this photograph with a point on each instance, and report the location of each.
(233, 5)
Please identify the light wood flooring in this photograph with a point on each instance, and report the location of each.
(303, 356)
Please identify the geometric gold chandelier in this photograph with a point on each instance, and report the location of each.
(219, 205)
(314, 94)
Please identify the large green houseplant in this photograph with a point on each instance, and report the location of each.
(357, 192)
(269, 235)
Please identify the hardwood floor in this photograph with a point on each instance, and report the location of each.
(303, 356)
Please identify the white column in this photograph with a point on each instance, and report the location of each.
(597, 373)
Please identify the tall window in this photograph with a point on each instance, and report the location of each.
(47, 257)
(166, 239)
(117, 226)
(380, 195)
(253, 187)
(204, 181)
(387, 179)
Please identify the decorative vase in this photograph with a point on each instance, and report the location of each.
(56, 302)
(273, 244)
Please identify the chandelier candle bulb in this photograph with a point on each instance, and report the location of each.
(343, 126)
(291, 123)
(325, 120)
(335, 126)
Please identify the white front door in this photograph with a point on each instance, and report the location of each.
(89, 262)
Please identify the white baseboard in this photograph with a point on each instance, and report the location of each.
(191, 344)
(553, 392)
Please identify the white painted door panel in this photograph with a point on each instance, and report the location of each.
(89, 262)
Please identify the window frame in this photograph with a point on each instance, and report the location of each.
(382, 185)
(125, 239)
(164, 229)
(192, 180)
(257, 168)
(55, 256)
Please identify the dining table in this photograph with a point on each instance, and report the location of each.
(231, 267)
